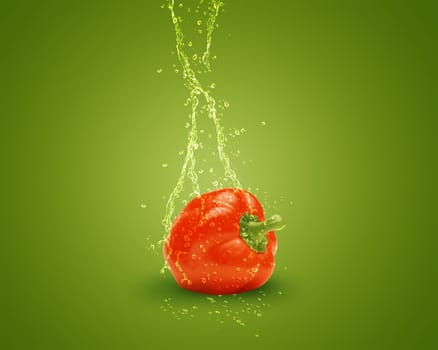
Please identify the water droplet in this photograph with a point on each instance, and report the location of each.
(212, 85)
(257, 335)
(215, 183)
(203, 280)
(194, 57)
(262, 123)
(199, 22)
(180, 5)
(259, 314)
(279, 292)
(180, 153)
(143, 206)
(159, 70)
(174, 20)
(238, 321)
(164, 165)
(211, 171)
(187, 125)
(237, 132)
(190, 44)
(199, 31)
(226, 104)
(200, 171)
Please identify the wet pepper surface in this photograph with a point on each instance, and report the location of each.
(221, 243)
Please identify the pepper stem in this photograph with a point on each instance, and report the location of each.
(253, 232)
(256, 229)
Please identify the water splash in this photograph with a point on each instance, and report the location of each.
(199, 99)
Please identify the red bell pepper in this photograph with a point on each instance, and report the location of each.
(221, 243)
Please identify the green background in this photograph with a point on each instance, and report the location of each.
(346, 90)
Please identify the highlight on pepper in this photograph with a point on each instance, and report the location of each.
(221, 243)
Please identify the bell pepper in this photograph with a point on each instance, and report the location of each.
(221, 243)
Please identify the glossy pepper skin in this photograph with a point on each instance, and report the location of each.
(220, 243)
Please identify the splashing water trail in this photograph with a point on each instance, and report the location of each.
(199, 99)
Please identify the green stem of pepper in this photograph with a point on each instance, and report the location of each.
(253, 232)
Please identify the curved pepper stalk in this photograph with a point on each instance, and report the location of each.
(253, 231)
